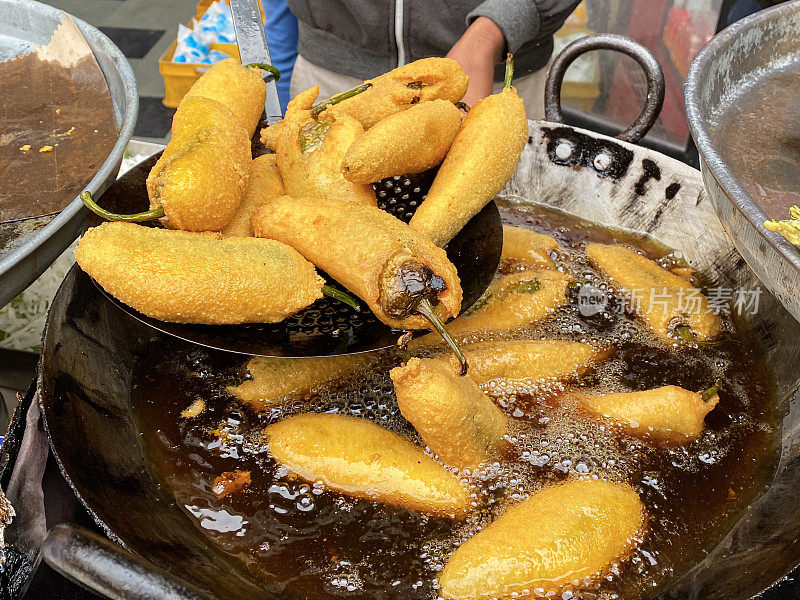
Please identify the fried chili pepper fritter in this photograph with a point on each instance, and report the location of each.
(406, 280)
(310, 152)
(481, 160)
(203, 278)
(373, 254)
(457, 421)
(264, 184)
(240, 88)
(277, 379)
(520, 361)
(663, 300)
(510, 302)
(402, 88)
(561, 534)
(363, 460)
(410, 141)
(201, 177)
(525, 247)
(668, 414)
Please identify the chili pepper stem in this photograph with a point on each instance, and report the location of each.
(685, 333)
(150, 215)
(402, 343)
(332, 292)
(462, 106)
(710, 392)
(316, 110)
(269, 68)
(425, 308)
(509, 71)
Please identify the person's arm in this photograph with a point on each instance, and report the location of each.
(478, 51)
(499, 25)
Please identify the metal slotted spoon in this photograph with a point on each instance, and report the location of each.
(327, 327)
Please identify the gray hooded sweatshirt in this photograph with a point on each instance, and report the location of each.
(363, 38)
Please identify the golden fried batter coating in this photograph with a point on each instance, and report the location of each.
(481, 160)
(458, 422)
(520, 361)
(402, 88)
(277, 379)
(241, 89)
(203, 278)
(526, 247)
(514, 301)
(201, 177)
(411, 141)
(360, 247)
(561, 534)
(661, 299)
(264, 184)
(669, 414)
(310, 153)
(361, 459)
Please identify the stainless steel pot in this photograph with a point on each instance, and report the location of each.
(745, 55)
(31, 245)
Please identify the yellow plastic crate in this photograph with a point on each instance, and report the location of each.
(179, 77)
(203, 5)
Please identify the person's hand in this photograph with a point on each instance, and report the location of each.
(478, 51)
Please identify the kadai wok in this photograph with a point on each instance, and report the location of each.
(226, 449)
(570, 433)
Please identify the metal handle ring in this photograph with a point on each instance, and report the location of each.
(625, 45)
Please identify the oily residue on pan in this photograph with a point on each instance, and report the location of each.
(322, 545)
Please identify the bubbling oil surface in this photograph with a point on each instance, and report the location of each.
(318, 544)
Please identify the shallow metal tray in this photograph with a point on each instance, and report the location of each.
(28, 246)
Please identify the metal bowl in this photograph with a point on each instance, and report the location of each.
(745, 55)
(36, 243)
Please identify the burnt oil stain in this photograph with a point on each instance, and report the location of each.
(655, 219)
(672, 190)
(584, 150)
(650, 171)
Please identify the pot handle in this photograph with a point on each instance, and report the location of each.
(108, 570)
(620, 43)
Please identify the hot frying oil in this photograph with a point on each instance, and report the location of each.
(319, 544)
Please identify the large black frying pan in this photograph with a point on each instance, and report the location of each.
(91, 349)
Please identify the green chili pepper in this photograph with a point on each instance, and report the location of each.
(312, 135)
(332, 292)
(685, 333)
(150, 215)
(265, 67)
(316, 110)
